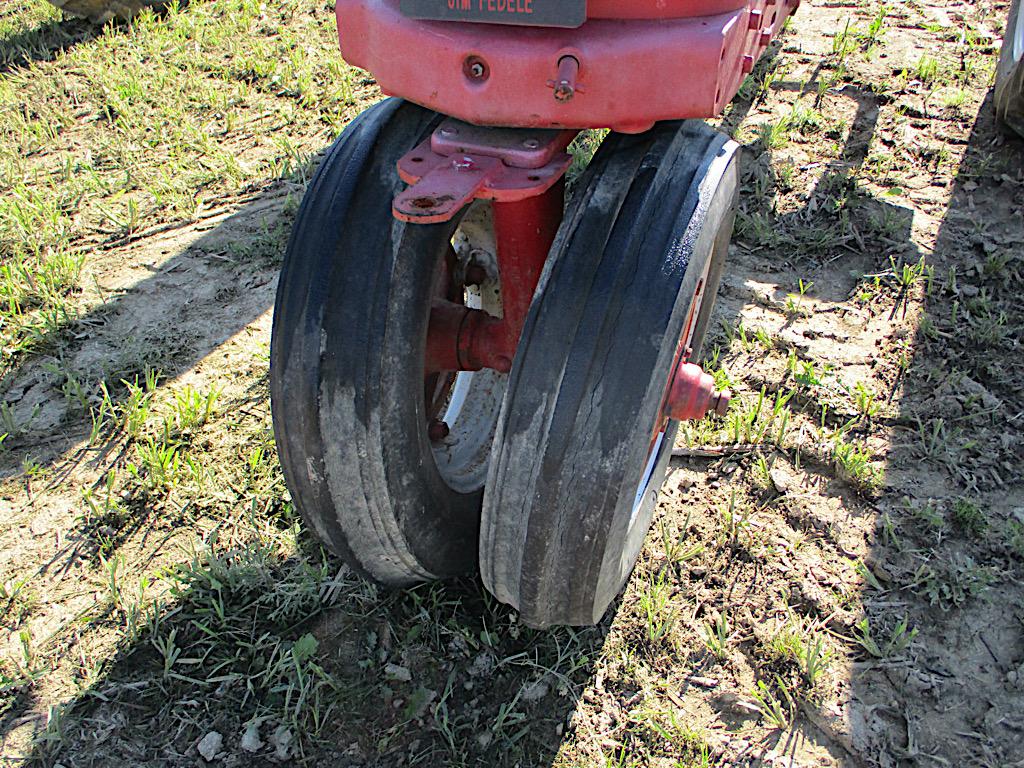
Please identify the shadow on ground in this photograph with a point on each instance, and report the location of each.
(45, 42)
(257, 635)
(167, 303)
(262, 647)
(948, 544)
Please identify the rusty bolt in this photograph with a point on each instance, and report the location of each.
(475, 68)
(531, 144)
(476, 274)
(438, 431)
(565, 81)
(449, 131)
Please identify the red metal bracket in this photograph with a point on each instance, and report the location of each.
(464, 339)
(522, 172)
(461, 162)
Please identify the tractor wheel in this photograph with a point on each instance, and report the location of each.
(583, 443)
(1009, 96)
(359, 425)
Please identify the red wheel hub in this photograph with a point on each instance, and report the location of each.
(692, 394)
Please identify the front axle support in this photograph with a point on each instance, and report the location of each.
(460, 163)
(464, 339)
(522, 172)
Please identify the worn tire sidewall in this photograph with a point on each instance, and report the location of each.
(365, 288)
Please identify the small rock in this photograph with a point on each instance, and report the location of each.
(535, 691)
(397, 673)
(209, 746)
(736, 704)
(482, 665)
(704, 682)
(1015, 678)
(973, 390)
(698, 572)
(251, 738)
(282, 742)
(779, 480)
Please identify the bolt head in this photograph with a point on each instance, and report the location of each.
(531, 144)
(564, 92)
(449, 131)
(476, 274)
(438, 431)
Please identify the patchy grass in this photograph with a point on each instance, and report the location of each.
(843, 547)
(144, 125)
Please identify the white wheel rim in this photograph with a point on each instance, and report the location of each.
(636, 531)
(1018, 36)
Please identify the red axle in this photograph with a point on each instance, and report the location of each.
(464, 339)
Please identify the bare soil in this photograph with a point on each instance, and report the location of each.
(834, 575)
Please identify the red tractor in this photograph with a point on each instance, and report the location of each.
(468, 372)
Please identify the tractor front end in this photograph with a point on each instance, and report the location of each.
(465, 370)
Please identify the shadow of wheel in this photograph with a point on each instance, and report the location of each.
(102, 11)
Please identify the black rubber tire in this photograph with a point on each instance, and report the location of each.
(347, 382)
(650, 223)
(1009, 94)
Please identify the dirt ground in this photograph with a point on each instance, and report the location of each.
(834, 574)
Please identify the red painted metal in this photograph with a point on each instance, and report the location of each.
(516, 147)
(460, 163)
(525, 232)
(464, 339)
(692, 394)
(639, 62)
(658, 9)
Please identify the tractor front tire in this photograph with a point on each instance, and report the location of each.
(1009, 95)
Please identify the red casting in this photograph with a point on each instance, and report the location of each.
(638, 61)
(461, 162)
(463, 339)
